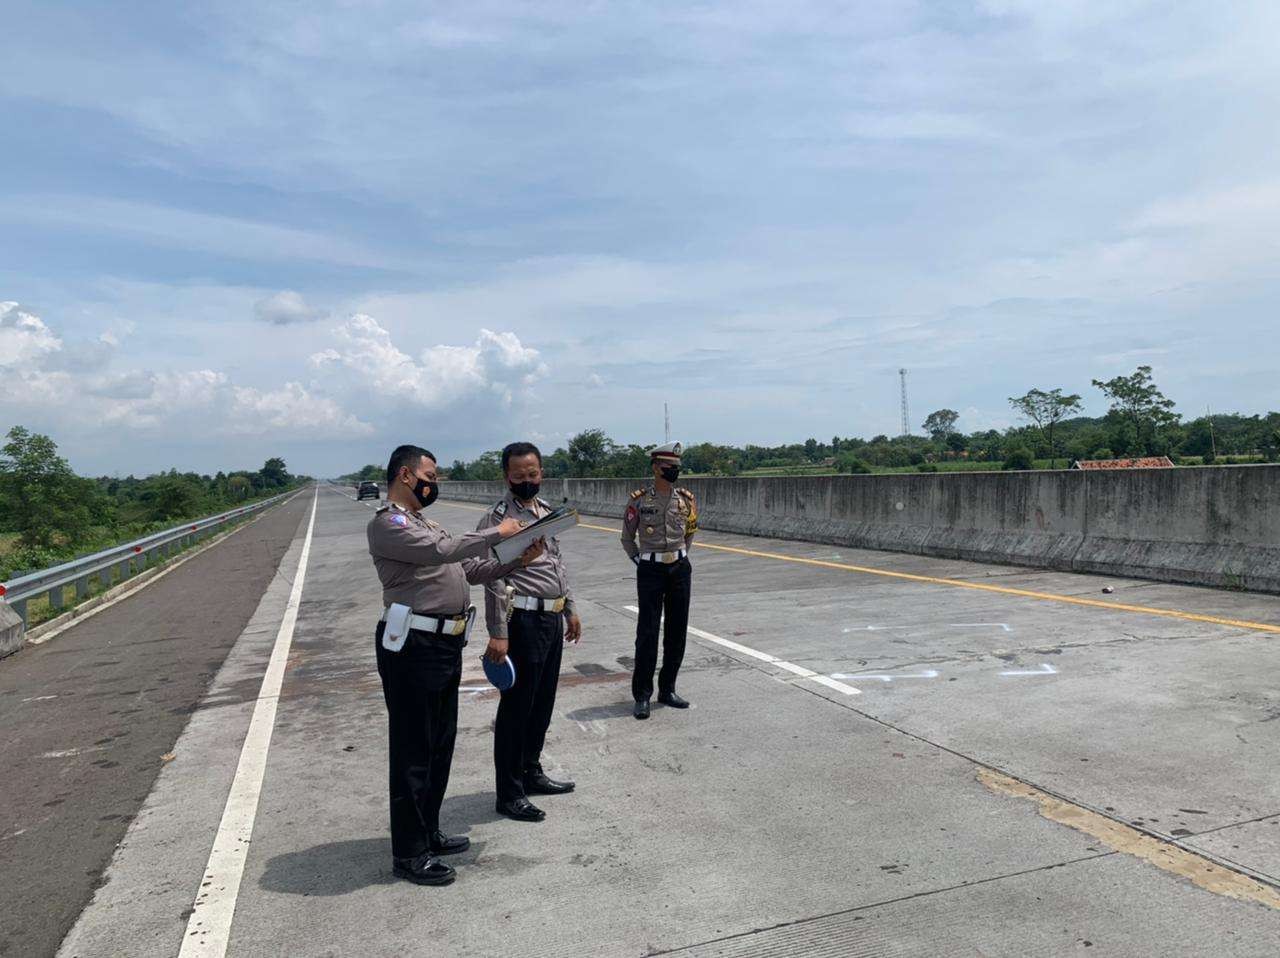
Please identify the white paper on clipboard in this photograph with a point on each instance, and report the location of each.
(508, 550)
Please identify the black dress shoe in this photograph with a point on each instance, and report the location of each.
(423, 870)
(537, 783)
(521, 809)
(672, 700)
(442, 844)
(642, 709)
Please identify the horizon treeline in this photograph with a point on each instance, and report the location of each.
(49, 514)
(1140, 422)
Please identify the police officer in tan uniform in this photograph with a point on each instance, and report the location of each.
(663, 519)
(530, 626)
(419, 565)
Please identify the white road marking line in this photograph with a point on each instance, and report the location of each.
(1045, 669)
(883, 677)
(980, 625)
(39, 698)
(799, 670)
(209, 927)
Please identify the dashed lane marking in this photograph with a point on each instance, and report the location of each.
(773, 660)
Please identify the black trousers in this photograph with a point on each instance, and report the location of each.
(663, 592)
(535, 646)
(420, 685)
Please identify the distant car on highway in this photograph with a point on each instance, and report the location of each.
(368, 490)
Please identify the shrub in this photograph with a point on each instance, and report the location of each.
(1019, 457)
(1103, 453)
(926, 467)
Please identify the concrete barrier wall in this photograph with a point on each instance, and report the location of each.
(1216, 526)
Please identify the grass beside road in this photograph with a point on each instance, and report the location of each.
(41, 610)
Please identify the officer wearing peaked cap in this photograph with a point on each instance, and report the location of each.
(657, 528)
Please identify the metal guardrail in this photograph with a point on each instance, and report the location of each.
(129, 559)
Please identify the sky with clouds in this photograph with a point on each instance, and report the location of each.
(232, 230)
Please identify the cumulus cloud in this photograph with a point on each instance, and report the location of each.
(46, 379)
(24, 338)
(286, 308)
(495, 368)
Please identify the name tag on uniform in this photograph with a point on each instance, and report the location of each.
(397, 628)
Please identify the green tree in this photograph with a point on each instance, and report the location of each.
(1046, 410)
(274, 474)
(1139, 403)
(239, 487)
(941, 423)
(589, 451)
(41, 497)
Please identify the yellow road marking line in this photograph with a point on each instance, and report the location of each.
(1166, 856)
(977, 586)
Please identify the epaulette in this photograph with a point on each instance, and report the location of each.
(685, 492)
(637, 494)
(500, 509)
(380, 510)
(544, 503)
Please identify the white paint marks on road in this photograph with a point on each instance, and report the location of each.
(883, 677)
(877, 628)
(72, 752)
(1045, 669)
(794, 669)
(209, 927)
(980, 625)
(39, 698)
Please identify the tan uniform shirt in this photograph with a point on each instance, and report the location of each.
(661, 523)
(545, 578)
(418, 562)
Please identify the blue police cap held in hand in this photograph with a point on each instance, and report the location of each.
(501, 675)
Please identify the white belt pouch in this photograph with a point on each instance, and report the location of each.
(397, 628)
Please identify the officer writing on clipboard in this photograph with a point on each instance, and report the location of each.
(529, 624)
(419, 643)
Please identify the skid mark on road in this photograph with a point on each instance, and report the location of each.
(1166, 856)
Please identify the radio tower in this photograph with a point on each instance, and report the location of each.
(906, 418)
(666, 423)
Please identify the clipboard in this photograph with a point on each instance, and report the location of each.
(552, 524)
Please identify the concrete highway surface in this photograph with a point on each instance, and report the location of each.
(887, 755)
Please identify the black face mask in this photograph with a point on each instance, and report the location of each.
(670, 473)
(426, 492)
(525, 491)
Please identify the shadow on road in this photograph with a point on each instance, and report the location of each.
(612, 710)
(334, 868)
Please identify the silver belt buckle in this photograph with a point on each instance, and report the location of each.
(670, 557)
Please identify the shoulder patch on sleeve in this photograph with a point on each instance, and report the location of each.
(500, 509)
(398, 520)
